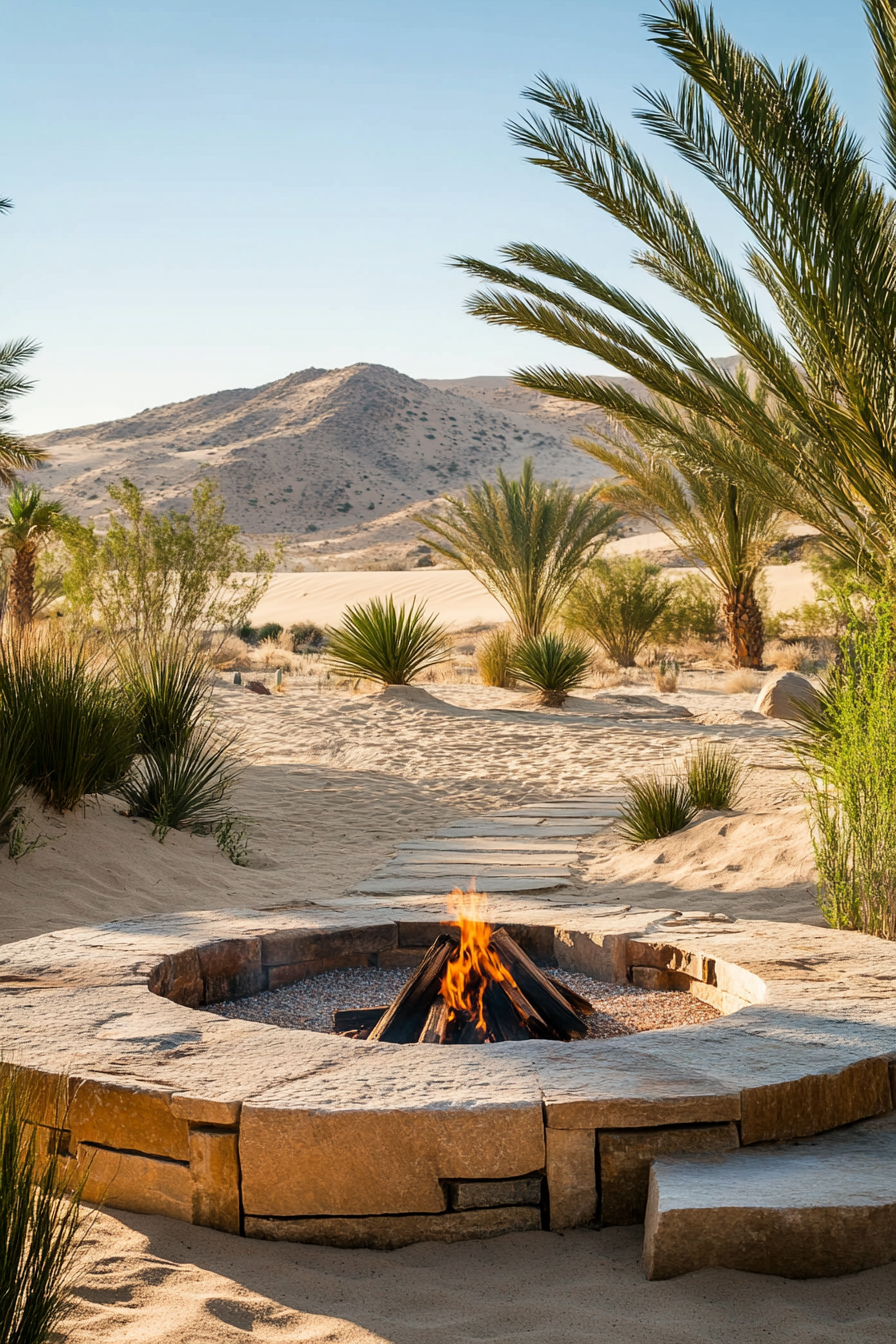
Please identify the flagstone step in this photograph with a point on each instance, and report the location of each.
(484, 845)
(442, 886)
(825, 1206)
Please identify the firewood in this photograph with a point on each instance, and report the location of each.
(548, 1002)
(356, 1019)
(406, 1016)
(501, 1015)
(435, 1028)
(576, 1001)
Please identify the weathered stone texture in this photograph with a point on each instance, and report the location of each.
(494, 1194)
(783, 695)
(118, 1115)
(137, 1183)
(571, 1176)
(387, 1233)
(215, 1174)
(626, 1155)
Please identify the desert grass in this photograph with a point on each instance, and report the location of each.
(392, 646)
(713, 776)
(494, 654)
(552, 664)
(743, 680)
(665, 675)
(655, 807)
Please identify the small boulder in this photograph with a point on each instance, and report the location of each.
(785, 695)
(258, 687)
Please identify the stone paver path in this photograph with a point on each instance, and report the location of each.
(528, 848)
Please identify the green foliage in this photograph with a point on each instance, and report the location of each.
(185, 786)
(816, 209)
(655, 807)
(232, 839)
(526, 541)
(848, 748)
(30, 519)
(75, 726)
(166, 682)
(38, 1221)
(713, 775)
(15, 454)
(620, 604)
(270, 630)
(13, 748)
(665, 675)
(494, 654)
(177, 573)
(306, 635)
(552, 664)
(693, 612)
(376, 641)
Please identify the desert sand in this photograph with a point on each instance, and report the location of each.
(337, 780)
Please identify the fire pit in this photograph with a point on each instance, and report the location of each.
(474, 986)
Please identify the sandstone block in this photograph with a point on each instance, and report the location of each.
(122, 1115)
(179, 978)
(387, 1233)
(291, 946)
(571, 1177)
(231, 968)
(494, 1194)
(215, 1174)
(204, 1110)
(802, 1211)
(810, 1104)
(137, 1183)
(400, 958)
(784, 696)
(599, 954)
(625, 1157)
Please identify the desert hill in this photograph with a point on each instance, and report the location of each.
(324, 450)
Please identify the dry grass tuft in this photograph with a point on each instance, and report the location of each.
(741, 680)
(230, 652)
(800, 656)
(665, 675)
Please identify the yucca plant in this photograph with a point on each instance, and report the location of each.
(526, 541)
(494, 654)
(619, 603)
(77, 727)
(185, 786)
(166, 683)
(816, 207)
(39, 1222)
(713, 775)
(655, 807)
(392, 646)
(552, 664)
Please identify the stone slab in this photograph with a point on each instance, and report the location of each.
(626, 1155)
(215, 1174)
(397, 886)
(490, 868)
(494, 1194)
(804, 1211)
(571, 1177)
(518, 830)
(136, 1183)
(388, 1233)
(109, 1113)
(488, 846)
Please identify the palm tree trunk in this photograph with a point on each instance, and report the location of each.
(20, 594)
(743, 625)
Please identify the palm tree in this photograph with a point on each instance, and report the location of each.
(29, 520)
(715, 522)
(821, 252)
(527, 541)
(15, 455)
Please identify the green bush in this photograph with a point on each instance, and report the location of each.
(494, 654)
(714, 777)
(654, 808)
(620, 604)
(306, 635)
(376, 641)
(184, 786)
(693, 612)
(270, 630)
(166, 683)
(553, 665)
(848, 748)
(75, 725)
(38, 1221)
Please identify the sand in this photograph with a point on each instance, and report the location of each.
(337, 780)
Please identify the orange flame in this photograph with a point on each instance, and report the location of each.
(474, 963)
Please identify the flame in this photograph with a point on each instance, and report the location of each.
(474, 963)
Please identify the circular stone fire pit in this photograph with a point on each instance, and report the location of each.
(302, 1136)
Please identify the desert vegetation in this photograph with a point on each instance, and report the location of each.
(658, 805)
(392, 646)
(552, 664)
(619, 604)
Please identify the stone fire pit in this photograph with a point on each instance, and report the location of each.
(301, 1136)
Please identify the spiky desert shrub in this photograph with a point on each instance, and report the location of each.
(185, 786)
(619, 604)
(77, 727)
(713, 775)
(38, 1223)
(166, 682)
(655, 807)
(391, 646)
(494, 654)
(552, 664)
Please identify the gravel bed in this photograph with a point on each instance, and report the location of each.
(621, 1010)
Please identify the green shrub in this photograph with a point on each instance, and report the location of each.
(270, 630)
(665, 675)
(185, 786)
(654, 808)
(76, 726)
(693, 612)
(306, 635)
(714, 776)
(494, 654)
(38, 1222)
(13, 755)
(167, 685)
(619, 604)
(376, 641)
(247, 633)
(848, 748)
(552, 664)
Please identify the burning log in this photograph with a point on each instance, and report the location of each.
(407, 1014)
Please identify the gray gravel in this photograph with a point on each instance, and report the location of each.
(310, 1004)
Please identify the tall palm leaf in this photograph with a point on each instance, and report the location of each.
(30, 518)
(15, 454)
(526, 540)
(821, 249)
(671, 481)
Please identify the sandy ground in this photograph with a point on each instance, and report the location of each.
(336, 781)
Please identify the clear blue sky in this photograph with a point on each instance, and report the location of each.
(214, 193)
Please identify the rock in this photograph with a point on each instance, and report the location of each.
(258, 687)
(783, 695)
(215, 1174)
(572, 1178)
(387, 1233)
(827, 1207)
(135, 1182)
(494, 1194)
(625, 1157)
(237, 678)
